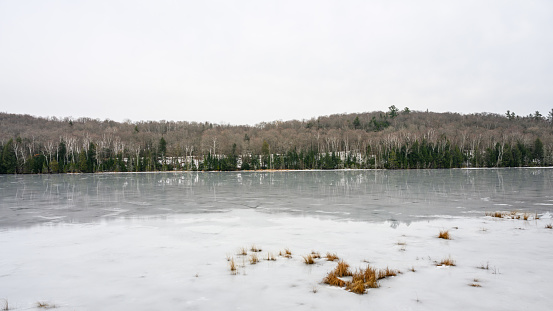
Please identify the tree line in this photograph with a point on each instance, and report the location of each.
(394, 139)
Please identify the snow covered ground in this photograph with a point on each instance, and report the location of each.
(180, 263)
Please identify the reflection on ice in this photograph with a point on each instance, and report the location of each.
(373, 195)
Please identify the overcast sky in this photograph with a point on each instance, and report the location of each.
(244, 62)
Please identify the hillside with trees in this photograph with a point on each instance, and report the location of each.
(395, 139)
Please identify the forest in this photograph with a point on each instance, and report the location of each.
(393, 139)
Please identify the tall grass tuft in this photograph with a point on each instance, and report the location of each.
(444, 234)
(254, 259)
(308, 260)
(331, 257)
(45, 305)
(360, 280)
(232, 266)
(446, 262)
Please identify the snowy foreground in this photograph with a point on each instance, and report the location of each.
(180, 263)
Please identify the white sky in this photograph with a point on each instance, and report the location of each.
(244, 62)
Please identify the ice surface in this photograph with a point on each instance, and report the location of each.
(180, 263)
(367, 195)
(161, 241)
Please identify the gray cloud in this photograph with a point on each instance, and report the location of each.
(254, 61)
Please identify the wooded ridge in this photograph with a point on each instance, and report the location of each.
(395, 139)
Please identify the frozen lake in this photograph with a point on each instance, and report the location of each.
(163, 241)
(374, 195)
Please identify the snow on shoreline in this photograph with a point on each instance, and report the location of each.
(180, 263)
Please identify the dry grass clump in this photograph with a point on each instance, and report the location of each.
(232, 266)
(45, 305)
(270, 257)
(331, 257)
(286, 254)
(360, 280)
(444, 234)
(475, 285)
(255, 249)
(357, 287)
(254, 259)
(446, 262)
(316, 255)
(495, 214)
(412, 269)
(243, 251)
(308, 260)
(525, 216)
(384, 273)
(548, 226)
(342, 269)
(513, 215)
(332, 280)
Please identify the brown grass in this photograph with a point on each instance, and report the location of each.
(45, 305)
(316, 255)
(444, 234)
(308, 260)
(548, 226)
(332, 280)
(254, 259)
(243, 251)
(475, 285)
(496, 214)
(412, 269)
(331, 257)
(342, 269)
(446, 262)
(526, 216)
(255, 249)
(360, 280)
(384, 273)
(357, 287)
(232, 266)
(286, 253)
(270, 257)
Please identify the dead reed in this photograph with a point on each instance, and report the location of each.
(526, 216)
(342, 269)
(45, 305)
(332, 280)
(316, 255)
(384, 273)
(444, 234)
(286, 254)
(243, 251)
(254, 259)
(446, 262)
(548, 226)
(270, 257)
(361, 279)
(308, 260)
(255, 249)
(232, 266)
(331, 257)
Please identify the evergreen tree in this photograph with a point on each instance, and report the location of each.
(537, 153)
(9, 159)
